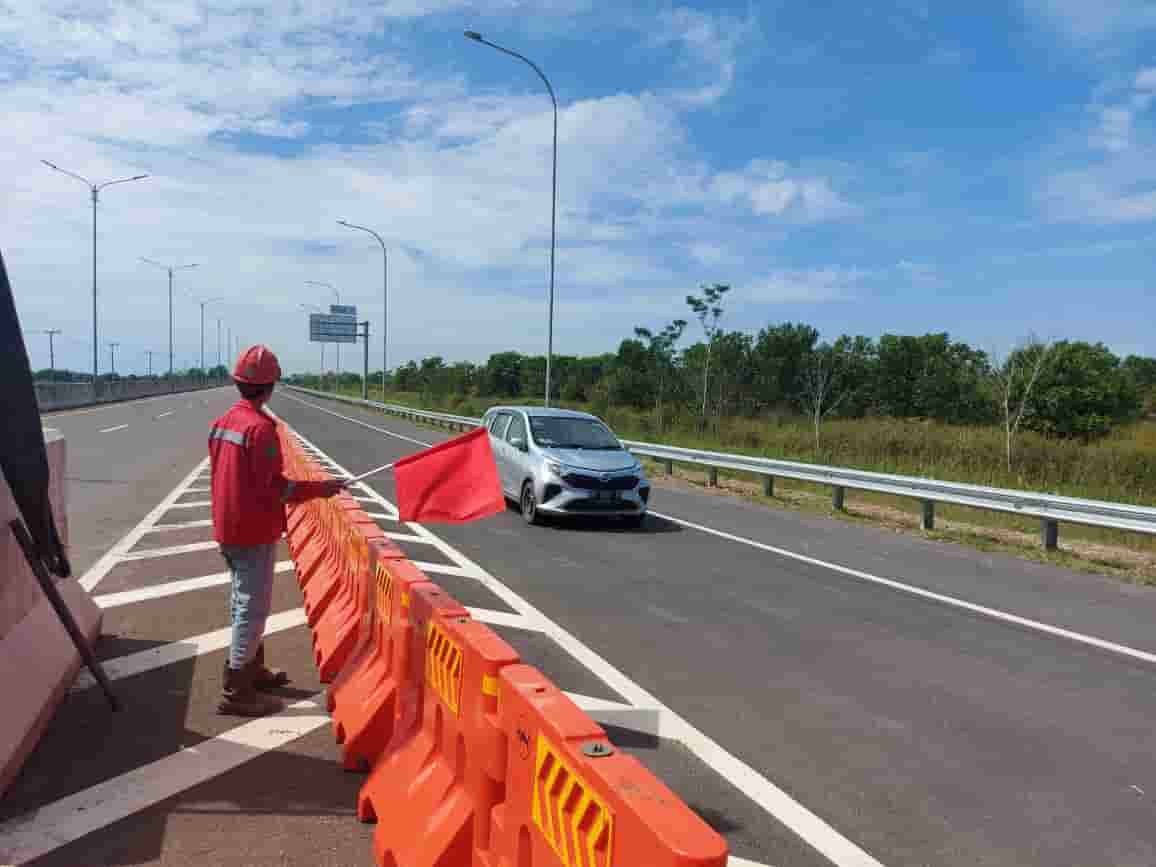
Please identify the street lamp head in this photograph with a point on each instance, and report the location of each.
(342, 223)
(474, 35)
(138, 177)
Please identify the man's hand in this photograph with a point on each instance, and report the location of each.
(332, 487)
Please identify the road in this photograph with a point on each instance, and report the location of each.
(862, 697)
(926, 733)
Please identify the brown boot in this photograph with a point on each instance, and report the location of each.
(267, 678)
(240, 698)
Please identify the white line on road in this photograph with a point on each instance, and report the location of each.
(178, 651)
(184, 525)
(198, 490)
(816, 832)
(112, 556)
(194, 505)
(994, 613)
(448, 569)
(152, 553)
(24, 839)
(355, 421)
(173, 588)
(402, 537)
(165, 414)
(500, 618)
(111, 429)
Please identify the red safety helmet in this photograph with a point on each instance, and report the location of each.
(257, 366)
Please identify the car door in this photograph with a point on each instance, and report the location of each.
(500, 448)
(518, 454)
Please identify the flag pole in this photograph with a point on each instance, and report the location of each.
(373, 472)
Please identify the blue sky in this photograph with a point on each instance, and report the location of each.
(988, 169)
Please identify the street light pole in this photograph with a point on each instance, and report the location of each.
(170, 269)
(112, 353)
(149, 353)
(51, 332)
(94, 189)
(218, 341)
(203, 303)
(477, 37)
(384, 300)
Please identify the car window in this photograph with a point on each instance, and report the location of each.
(517, 429)
(498, 425)
(572, 433)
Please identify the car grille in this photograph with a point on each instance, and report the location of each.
(601, 506)
(593, 483)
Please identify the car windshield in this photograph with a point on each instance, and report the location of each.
(572, 433)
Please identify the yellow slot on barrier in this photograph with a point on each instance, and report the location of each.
(384, 594)
(575, 822)
(443, 666)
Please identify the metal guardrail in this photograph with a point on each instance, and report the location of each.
(1049, 509)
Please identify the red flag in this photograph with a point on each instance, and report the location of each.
(454, 482)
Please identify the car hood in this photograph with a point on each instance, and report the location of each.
(598, 461)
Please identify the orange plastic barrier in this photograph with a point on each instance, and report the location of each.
(442, 780)
(366, 698)
(477, 760)
(572, 800)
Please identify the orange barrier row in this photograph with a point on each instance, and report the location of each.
(474, 759)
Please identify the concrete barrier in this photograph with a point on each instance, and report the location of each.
(63, 395)
(37, 658)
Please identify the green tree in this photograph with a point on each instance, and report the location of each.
(662, 357)
(777, 356)
(1083, 391)
(503, 374)
(709, 310)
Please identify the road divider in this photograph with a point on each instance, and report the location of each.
(474, 758)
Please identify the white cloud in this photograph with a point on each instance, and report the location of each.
(458, 183)
(827, 283)
(1083, 21)
(711, 42)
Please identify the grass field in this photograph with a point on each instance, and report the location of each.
(1121, 467)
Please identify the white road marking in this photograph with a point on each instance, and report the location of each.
(193, 505)
(500, 618)
(447, 569)
(198, 490)
(178, 651)
(103, 566)
(817, 833)
(354, 421)
(111, 429)
(402, 537)
(152, 553)
(994, 613)
(174, 588)
(166, 414)
(184, 525)
(118, 405)
(26, 838)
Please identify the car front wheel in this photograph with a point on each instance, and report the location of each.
(530, 505)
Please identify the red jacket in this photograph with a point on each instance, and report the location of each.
(249, 489)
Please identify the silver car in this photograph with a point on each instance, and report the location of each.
(560, 462)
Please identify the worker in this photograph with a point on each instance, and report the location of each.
(249, 493)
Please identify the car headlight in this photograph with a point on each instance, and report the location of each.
(556, 468)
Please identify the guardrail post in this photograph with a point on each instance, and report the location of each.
(712, 477)
(837, 498)
(668, 467)
(768, 486)
(1049, 534)
(928, 515)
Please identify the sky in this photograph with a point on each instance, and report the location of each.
(986, 169)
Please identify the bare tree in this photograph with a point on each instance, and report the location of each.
(1013, 379)
(822, 385)
(709, 310)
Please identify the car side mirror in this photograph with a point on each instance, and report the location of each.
(519, 443)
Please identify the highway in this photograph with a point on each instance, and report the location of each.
(863, 697)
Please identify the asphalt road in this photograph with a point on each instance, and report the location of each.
(924, 732)
(123, 455)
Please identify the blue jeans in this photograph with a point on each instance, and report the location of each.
(252, 597)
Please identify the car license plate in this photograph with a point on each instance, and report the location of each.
(611, 496)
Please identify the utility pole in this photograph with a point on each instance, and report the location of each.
(365, 368)
(51, 332)
(112, 353)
